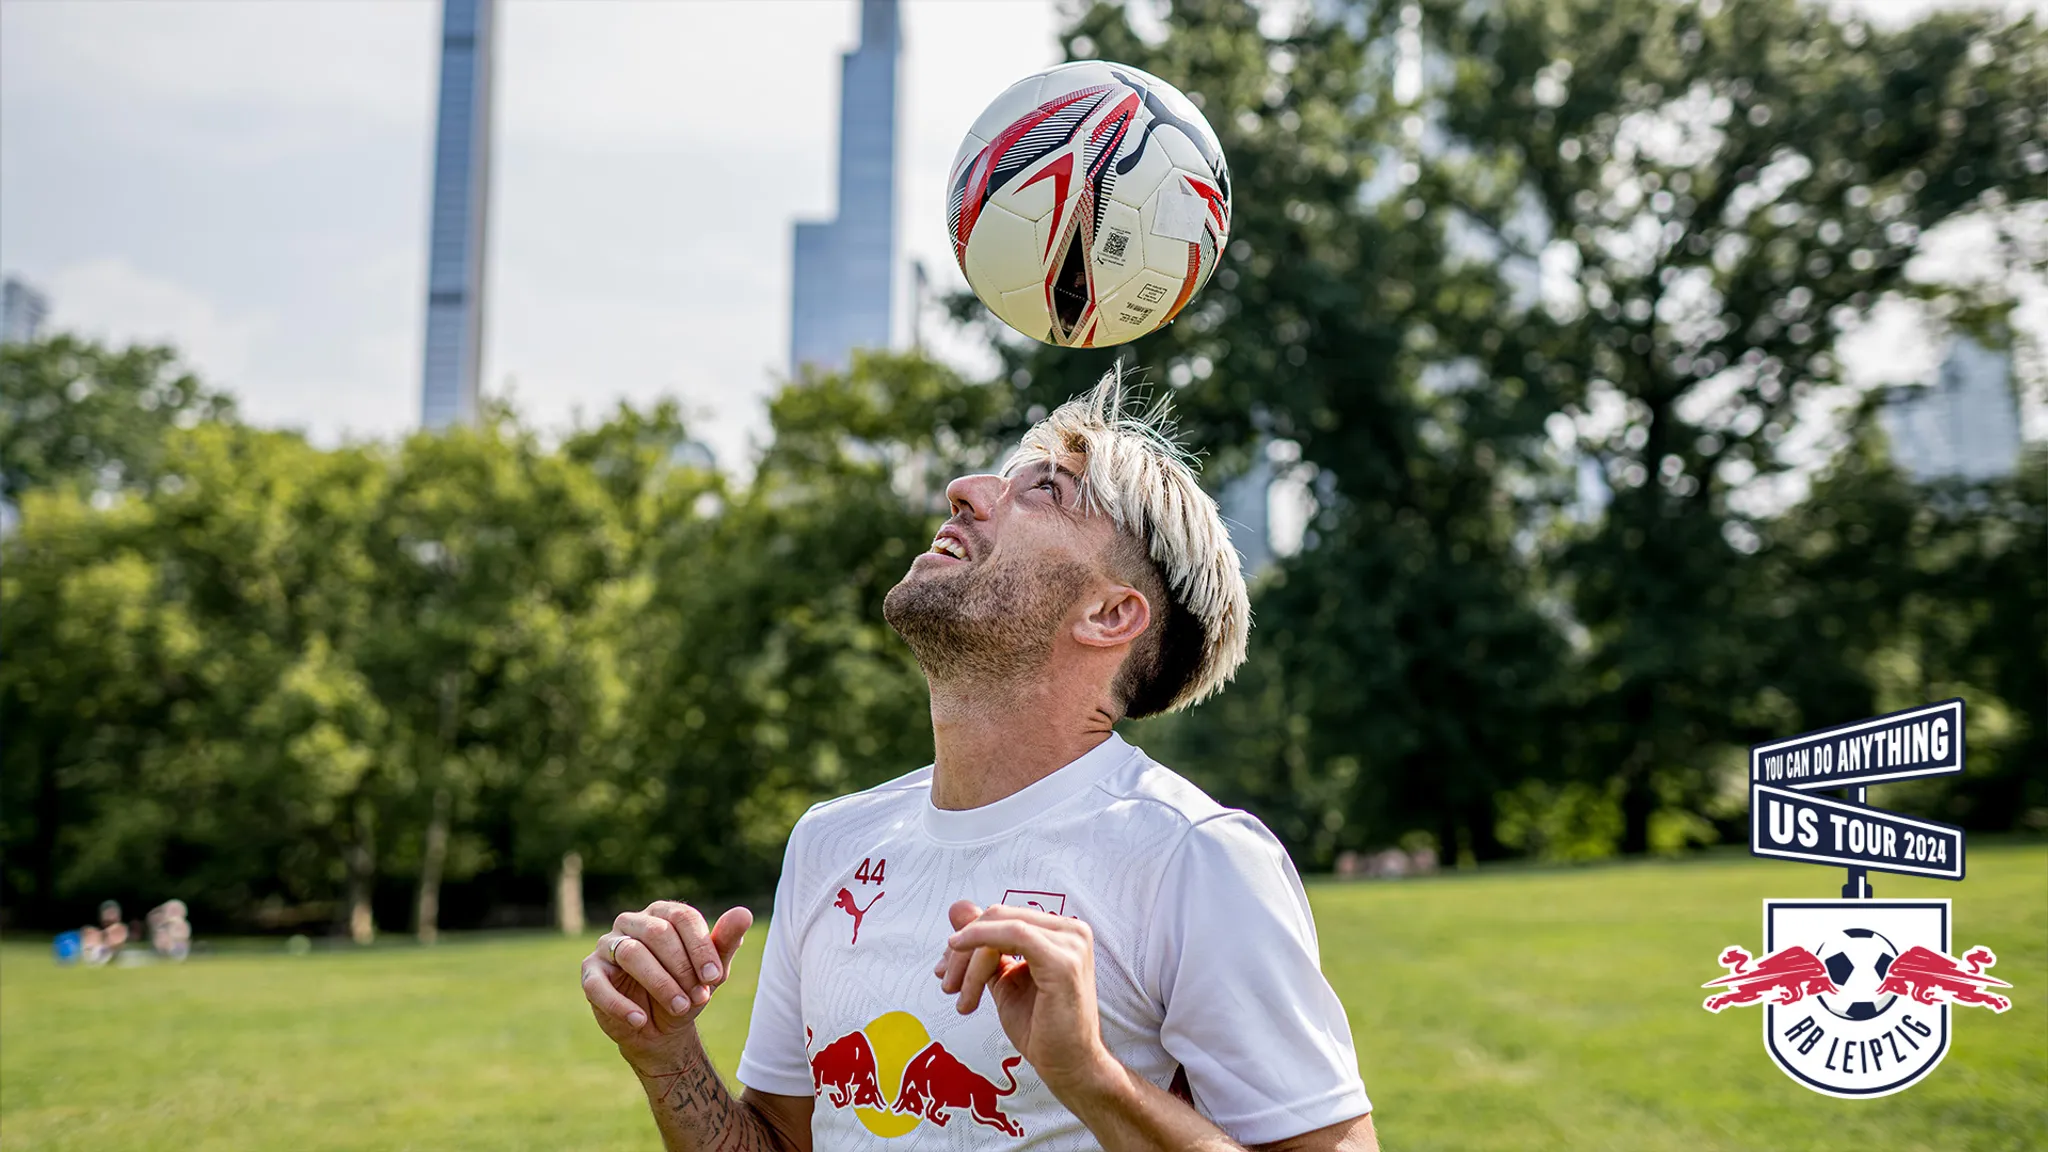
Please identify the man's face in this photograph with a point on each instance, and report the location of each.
(987, 599)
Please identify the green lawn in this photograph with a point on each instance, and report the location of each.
(1500, 1010)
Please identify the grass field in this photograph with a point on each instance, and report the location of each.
(1505, 1010)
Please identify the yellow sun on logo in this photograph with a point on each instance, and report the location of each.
(895, 1037)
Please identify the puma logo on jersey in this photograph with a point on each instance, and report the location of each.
(844, 902)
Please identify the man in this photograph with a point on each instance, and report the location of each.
(1149, 953)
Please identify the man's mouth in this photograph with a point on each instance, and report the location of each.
(949, 543)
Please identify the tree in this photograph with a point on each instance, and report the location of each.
(78, 413)
(1399, 664)
(1715, 192)
(1891, 594)
(768, 677)
(490, 560)
(179, 720)
(584, 802)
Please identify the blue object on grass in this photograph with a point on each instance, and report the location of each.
(67, 947)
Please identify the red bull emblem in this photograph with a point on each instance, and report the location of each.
(1856, 993)
(1784, 977)
(894, 1076)
(936, 1083)
(1929, 977)
(844, 1073)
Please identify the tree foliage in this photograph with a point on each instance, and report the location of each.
(281, 681)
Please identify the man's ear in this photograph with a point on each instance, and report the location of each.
(1119, 616)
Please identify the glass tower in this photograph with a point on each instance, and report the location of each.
(845, 268)
(22, 310)
(462, 180)
(1967, 423)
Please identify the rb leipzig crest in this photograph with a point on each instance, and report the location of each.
(1856, 993)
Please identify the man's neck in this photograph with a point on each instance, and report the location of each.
(989, 746)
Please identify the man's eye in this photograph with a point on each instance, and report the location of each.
(1050, 485)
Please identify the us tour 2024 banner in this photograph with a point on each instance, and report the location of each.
(1857, 994)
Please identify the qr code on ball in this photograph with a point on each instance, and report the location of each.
(1114, 244)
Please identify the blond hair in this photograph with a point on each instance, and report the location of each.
(1136, 472)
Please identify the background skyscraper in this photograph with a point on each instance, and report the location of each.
(462, 181)
(845, 268)
(1966, 424)
(22, 309)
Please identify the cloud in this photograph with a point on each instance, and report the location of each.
(355, 379)
(1900, 13)
(110, 299)
(310, 56)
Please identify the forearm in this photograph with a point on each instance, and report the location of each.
(697, 1113)
(1128, 1113)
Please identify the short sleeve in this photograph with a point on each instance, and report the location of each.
(774, 1059)
(1232, 955)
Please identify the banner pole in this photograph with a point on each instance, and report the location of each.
(1858, 887)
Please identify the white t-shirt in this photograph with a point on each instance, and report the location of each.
(1205, 959)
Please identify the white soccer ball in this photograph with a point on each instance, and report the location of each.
(1089, 204)
(1857, 960)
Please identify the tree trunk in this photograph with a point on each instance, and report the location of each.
(1638, 801)
(1638, 794)
(49, 810)
(1480, 821)
(569, 895)
(426, 917)
(1446, 839)
(361, 858)
(433, 854)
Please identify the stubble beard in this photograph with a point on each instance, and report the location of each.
(985, 626)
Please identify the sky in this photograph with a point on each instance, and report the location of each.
(249, 182)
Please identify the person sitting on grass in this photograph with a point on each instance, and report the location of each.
(170, 936)
(113, 930)
(92, 946)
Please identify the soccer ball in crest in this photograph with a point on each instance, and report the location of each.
(1857, 960)
(1089, 204)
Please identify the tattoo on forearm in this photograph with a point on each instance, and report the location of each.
(707, 1113)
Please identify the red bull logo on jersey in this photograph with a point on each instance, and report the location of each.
(1856, 994)
(844, 1074)
(895, 1076)
(937, 1086)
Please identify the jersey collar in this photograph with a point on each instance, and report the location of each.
(1002, 818)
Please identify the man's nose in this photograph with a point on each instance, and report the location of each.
(975, 495)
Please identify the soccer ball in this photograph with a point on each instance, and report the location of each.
(1856, 960)
(1088, 204)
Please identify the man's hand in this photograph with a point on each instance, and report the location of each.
(1040, 969)
(652, 974)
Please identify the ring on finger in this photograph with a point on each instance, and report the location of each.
(616, 941)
